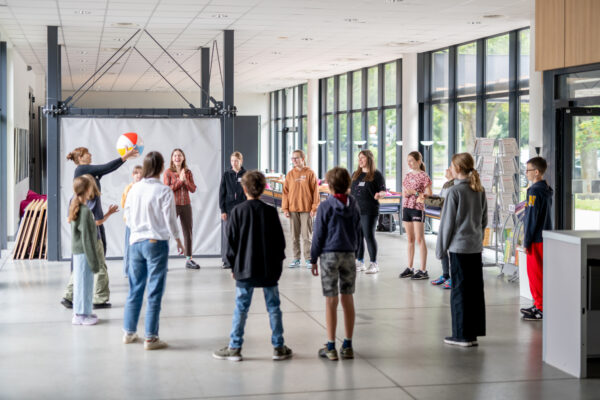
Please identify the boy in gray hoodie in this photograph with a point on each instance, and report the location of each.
(335, 239)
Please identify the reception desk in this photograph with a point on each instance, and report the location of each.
(572, 301)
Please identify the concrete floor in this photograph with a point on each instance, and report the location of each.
(398, 341)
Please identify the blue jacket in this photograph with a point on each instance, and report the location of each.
(336, 228)
(538, 212)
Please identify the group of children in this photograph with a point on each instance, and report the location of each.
(256, 250)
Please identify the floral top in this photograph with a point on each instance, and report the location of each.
(415, 181)
(181, 189)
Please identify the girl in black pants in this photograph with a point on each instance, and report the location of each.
(368, 186)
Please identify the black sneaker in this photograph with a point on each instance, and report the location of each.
(407, 273)
(106, 304)
(282, 353)
(191, 264)
(460, 342)
(419, 275)
(527, 310)
(535, 315)
(67, 303)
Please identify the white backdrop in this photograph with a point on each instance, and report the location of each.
(200, 139)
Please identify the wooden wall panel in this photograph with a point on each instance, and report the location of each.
(550, 34)
(582, 32)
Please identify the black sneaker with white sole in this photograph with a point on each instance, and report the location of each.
(419, 275)
(535, 315)
(460, 342)
(528, 310)
(407, 273)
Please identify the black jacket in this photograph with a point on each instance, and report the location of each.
(538, 212)
(230, 192)
(255, 244)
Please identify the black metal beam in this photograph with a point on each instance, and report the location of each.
(3, 150)
(480, 89)
(513, 86)
(140, 112)
(452, 108)
(228, 90)
(205, 76)
(380, 120)
(53, 143)
(399, 132)
(336, 123)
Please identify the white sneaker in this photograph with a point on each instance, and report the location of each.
(154, 344)
(91, 319)
(360, 266)
(129, 337)
(373, 268)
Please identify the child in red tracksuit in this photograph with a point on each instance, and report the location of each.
(537, 219)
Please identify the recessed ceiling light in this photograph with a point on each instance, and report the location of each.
(282, 37)
(474, 23)
(125, 24)
(276, 53)
(334, 64)
(83, 61)
(83, 12)
(368, 54)
(393, 1)
(118, 39)
(492, 16)
(307, 39)
(83, 52)
(179, 54)
(219, 15)
(253, 62)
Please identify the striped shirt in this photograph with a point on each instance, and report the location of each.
(181, 189)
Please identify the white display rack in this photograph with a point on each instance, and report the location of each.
(496, 163)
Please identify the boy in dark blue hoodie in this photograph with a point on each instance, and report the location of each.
(335, 240)
(537, 219)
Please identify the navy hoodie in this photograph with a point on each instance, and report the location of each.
(336, 227)
(537, 213)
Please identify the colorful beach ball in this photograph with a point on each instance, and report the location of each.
(129, 140)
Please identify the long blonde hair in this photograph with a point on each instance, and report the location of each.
(81, 189)
(463, 162)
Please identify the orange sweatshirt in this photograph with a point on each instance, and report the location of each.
(300, 193)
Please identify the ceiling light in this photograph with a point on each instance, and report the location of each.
(351, 20)
(282, 37)
(124, 24)
(179, 54)
(276, 53)
(83, 52)
(492, 16)
(393, 1)
(219, 16)
(307, 39)
(474, 23)
(118, 39)
(83, 61)
(334, 64)
(83, 12)
(253, 62)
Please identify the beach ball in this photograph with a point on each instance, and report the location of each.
(129, 140)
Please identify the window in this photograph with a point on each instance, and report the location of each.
(466, 126)
(439, 74)
(523, 144)
(329, 95)
(372, 87)
(496, 118)
(356, 90)
(440, 145)
(496, 63)
(466, 69)
(389, 79)
(365, 118)
(390, 149)
(474, 105)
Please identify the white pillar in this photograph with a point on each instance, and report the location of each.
(312, 120)
(536, 93)
(410, 107)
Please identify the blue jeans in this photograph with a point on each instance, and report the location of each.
(147, 263)
(126, 249)
(243, 298)
(83, 285)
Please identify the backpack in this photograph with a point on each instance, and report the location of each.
(386, 223)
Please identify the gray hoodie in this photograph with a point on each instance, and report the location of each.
(463, 220)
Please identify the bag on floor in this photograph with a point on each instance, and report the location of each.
(386, 223)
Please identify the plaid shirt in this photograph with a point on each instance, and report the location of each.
(180, 189)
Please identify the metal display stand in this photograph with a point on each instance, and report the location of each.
(495, 160)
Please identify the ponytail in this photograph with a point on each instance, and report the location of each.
(81, 189)
(74, 209)
(422, 166)
(464, 163)
(474, 182)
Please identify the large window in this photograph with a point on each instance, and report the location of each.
(360, 110)
(287, 126)
(475, 89)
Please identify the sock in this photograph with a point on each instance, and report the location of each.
(188, 258)
(330, 345)
(347, 343)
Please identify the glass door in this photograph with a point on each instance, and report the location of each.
(582, 167)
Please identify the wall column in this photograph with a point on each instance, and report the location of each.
(312, 120)
(536, 94)
(410, 108)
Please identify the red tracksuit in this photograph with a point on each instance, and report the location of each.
(537, 219)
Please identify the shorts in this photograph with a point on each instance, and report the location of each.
(413, 215)
(338, 267)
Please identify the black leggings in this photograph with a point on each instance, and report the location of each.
(368, 224)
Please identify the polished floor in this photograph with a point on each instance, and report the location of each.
(398, 341)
